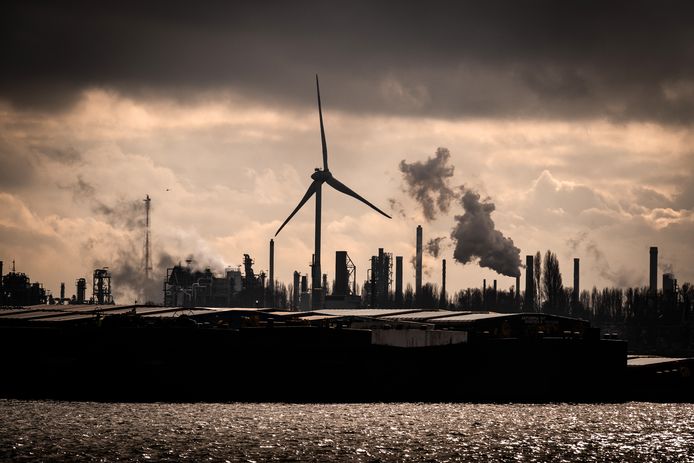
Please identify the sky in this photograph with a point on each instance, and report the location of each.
(567, 126)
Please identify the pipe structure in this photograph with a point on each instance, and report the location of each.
(398, 280)
(297, 291)
(653, 287)
(529, 304)
(272, 273)
(577, 288)
(443, 284)
(418, 263)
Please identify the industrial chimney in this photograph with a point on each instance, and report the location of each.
(418, 270)
(297, 290)
(653, 288)
(577, 289)
(443, 284)
(529, 304)
(398, 280)
(272, 273)
(517, 287)
(62, 293)
(341, 287)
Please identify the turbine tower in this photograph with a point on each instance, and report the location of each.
(319, 178)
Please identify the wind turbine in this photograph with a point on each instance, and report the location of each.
(319, 178)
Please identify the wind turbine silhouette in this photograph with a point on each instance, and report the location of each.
(319, 178)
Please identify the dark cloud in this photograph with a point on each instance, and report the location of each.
(433, 246)
(621, 59)
(475, 236)
(428, 182)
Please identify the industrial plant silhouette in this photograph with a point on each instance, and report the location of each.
(420, 345)
(319, 177)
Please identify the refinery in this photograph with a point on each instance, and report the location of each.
(244, 335)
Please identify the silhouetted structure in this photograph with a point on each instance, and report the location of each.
(148, 244)
(653, 280)
(319, 177)
(18, 290)
(444, 303)
(271, 286)
(101, 286)
(81, 287)
(576, 288)
(418, 264)
(187, 287)
(398, 281)
(529, 304)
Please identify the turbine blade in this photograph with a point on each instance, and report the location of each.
(309, 193)
(342, 188)
(322, 129)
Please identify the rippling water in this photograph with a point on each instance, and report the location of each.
(84, 431)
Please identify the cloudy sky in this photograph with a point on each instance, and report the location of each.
(573, 118)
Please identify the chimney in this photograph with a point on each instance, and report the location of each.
(577, 288)
(484, 293)
(418, 270)
(443, 284)
(272, 273)
(529, 304)
(653, 288)
(398, 280)
(495, 298)
(62, 292)
(517, 287)
(341, 287)
(297, 290)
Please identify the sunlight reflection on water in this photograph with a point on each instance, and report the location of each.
(84, 431)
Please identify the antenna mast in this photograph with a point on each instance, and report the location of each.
(148, 251)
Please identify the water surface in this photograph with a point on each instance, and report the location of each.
(86, 431)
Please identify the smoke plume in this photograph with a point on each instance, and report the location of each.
(433, 246)
(429, 183)
(475, 236)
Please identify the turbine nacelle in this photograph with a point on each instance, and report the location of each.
(321, 175)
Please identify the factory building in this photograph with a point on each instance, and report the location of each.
(187, 287)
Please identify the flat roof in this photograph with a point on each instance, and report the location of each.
(643, 360)
(363, 312)
(420, 315)
(473, 316)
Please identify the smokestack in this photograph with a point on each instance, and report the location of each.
(577, 289)
(494, 299)
(653, 288)
(272, 273)
(398, 280)
(418, 270)
(443, 283)
(529, 304)
(517, 287)
(341, 287)
(62, 292)
(81, 290)
(297, 290)
(484, 292)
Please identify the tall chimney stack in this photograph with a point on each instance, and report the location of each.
(484, 293)
(443, 284)
(418, 270)
(529, 304)
(62, 293)
(398, 280)
(577, 273)
(494, 300)
(297, 291)
(518, 287)
(653, 288)
(272, 273)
